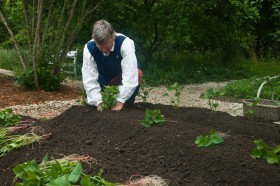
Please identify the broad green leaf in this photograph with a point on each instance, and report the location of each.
(277, 149)
(45, 159)
(256, 154)
(217, 139)
(76, 173)
(61, 181)
(272, 159)
(205, 141)
(260, 144)
(85, 181)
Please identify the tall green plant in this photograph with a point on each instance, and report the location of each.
(251, 112)
(109, 97)
(210, 95)
(145, 90)
(177, 88)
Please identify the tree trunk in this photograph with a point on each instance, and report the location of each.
(19, 52)
(36, 45)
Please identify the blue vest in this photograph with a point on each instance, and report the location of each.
(108, 66)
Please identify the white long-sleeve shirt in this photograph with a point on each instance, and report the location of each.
(129, 74)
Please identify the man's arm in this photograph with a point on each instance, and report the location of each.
(129, 70)
(90, 77)
(129, 73)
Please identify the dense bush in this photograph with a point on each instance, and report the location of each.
(47, 80)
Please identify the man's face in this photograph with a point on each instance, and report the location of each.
(106, 46)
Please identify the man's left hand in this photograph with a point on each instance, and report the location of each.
(118, 106)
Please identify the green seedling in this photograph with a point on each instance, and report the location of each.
(250, 113)
(210, 94)
(178, 90)
(8, 118)
(145, 90)
(153, 118)
(212, 139)
(83, 95)
(64, 171)
(109, 97)
(262, 151)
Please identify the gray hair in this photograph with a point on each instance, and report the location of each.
(102, 31)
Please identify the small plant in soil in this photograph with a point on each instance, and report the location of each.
(210, 95)
(153, 118)
(250, 113)
(262, 151)
(83, 95)
(144, 93)
(56, 172)
(8, 118)
(212, 139)
(178, 90)
(109, 97)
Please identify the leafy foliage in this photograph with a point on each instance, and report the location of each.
(178, 90)
(144, 93)
(56, 172)
(262, 151)
(247, 88)
(152, 118)
(47, 80)
(83, 95)
(8, 118)
(250, 113)
(210, 95)
(109, 97)
(212, 139)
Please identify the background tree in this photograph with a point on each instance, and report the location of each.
(49, 29)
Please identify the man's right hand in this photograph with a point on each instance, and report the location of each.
(99, 108)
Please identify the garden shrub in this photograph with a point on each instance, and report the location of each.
(47, 80)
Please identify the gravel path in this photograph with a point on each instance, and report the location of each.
(190, 97)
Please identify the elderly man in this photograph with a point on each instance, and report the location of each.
(109, 59)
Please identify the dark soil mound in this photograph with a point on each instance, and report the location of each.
(123, 147)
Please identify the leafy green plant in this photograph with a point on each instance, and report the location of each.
(47, 80)
(262, 151)
(153, 118)
(145, 90)
(109, 97)
(8, 118)
(83, 95)
(56, 172)
(247, 88)
(210, 94)
(250, 113)
(178, 90)
(271, 82)
(212, 139)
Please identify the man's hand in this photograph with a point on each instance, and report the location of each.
(118, 106)
(140, 76)
(99, 108)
